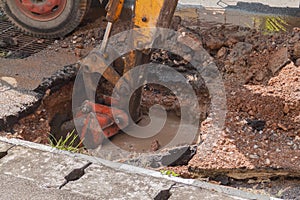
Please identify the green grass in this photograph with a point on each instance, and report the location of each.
(67, 144)
(169, 173)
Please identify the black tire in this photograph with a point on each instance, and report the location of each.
(69, 18)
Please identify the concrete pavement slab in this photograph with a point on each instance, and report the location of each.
(106, 183)
(45, 168)
(4, 146)
(14, 188)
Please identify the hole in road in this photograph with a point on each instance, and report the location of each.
(54, 117)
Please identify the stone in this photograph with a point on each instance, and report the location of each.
(297, 50)
(254, 156)
(40, 41)
(32, 165)
(155, 145)
(78, 52)
(222, 52)
(281, 126)
(173, 157)
(214, 44)
(278, 60)
(297, 63)
(104, 182)
(64, 45)
(239, 50)
(12, 187)
(259, 76)
(9, 80)
(193, 43)
(79, 46)
(286, 109)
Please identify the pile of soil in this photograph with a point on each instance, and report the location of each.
(262, 84)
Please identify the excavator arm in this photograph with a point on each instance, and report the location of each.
(146, 14)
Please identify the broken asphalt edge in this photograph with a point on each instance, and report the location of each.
(53, 83)
(140, 171)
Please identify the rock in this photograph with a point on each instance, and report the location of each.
(222, 52)
(173, 157)
(193, 43)
(40, 41)
(260, 75)
(297, 119)
(297, 63)
(286, 109)
(257, 125)
(253, 156)
(10, 80)
(79, 46)
(223, 180)
(278, 60)
(240, 50)
(268, 162)
(297, 50)
(181, 69)
(214, 43)
(231, 41)
(188, 57)
(38, 140)
(77, 52)
(281, 126)
(79, 40)
(64, 45)
(251, 113)
(155, 145)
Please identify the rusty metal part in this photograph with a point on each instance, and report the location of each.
(41, 10)
(97, 121)
(25, 45)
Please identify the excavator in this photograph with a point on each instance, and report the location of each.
(57, 18)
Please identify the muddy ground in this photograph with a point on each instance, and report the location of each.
(259, 146)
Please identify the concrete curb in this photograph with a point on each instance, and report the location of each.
(141, 171)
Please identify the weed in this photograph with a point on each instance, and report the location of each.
(169, 173)
(67, 144)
